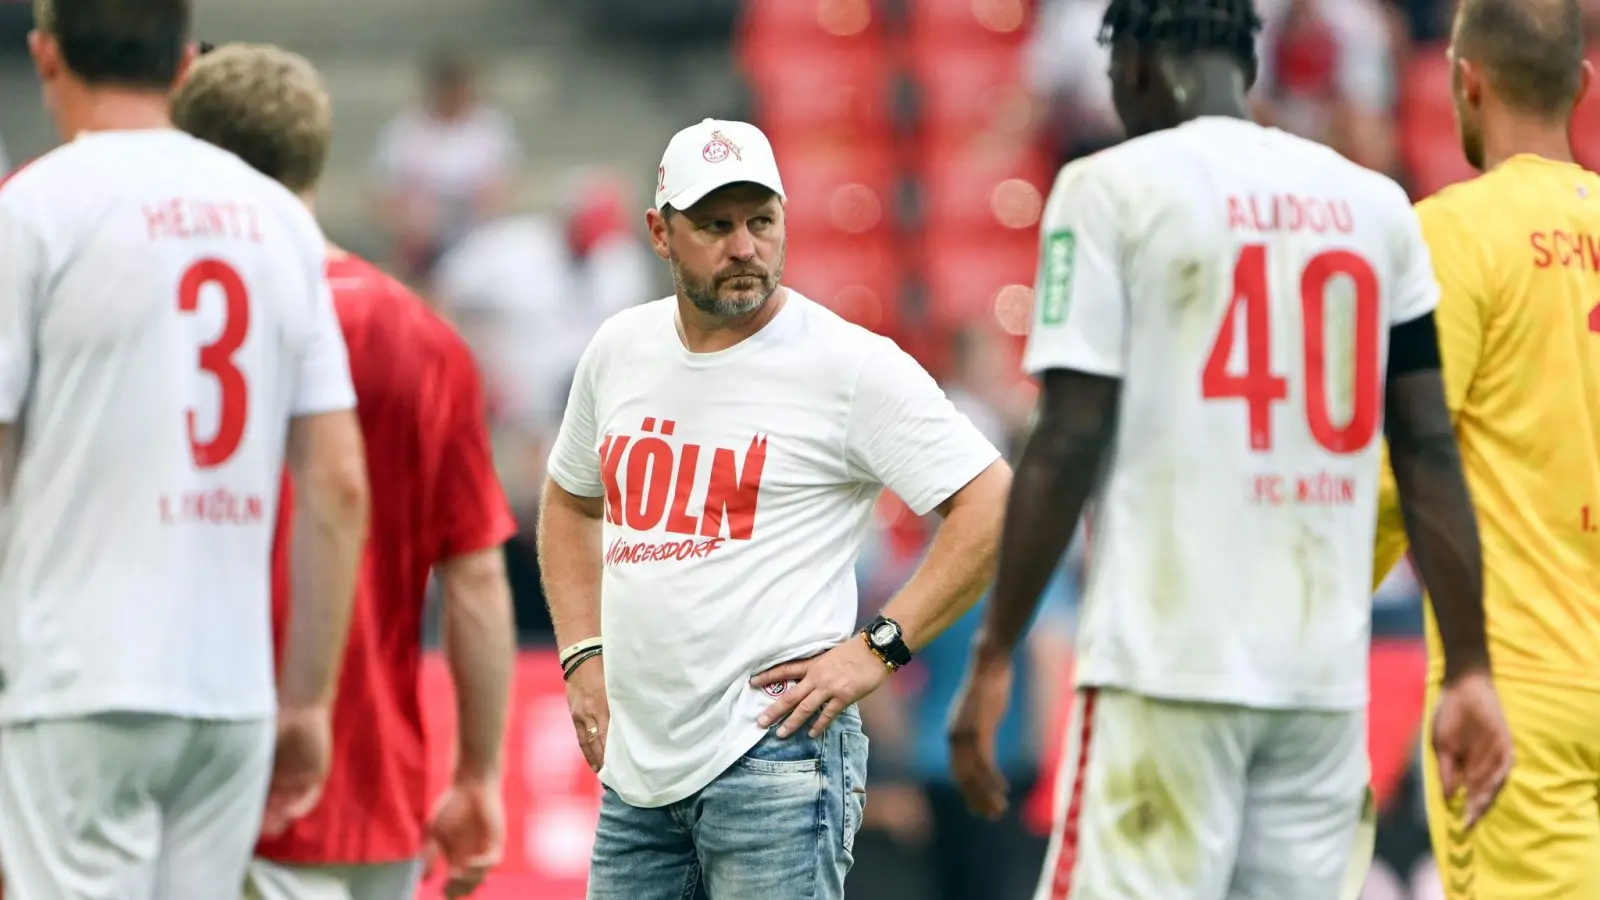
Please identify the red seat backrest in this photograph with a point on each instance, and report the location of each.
(1430, 147)
(969, 21)
(861, 279)
(967, 281)
(987, 187)
(826, 90)
(842, 188)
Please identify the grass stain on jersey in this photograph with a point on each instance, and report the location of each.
(1188, 285)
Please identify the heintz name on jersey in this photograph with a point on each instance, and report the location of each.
(187, 219)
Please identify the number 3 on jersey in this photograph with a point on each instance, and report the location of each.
(1260, 387)
(216, 358)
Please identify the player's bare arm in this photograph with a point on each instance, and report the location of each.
(569, 566)
(328, 464)
(1055, 476)
(480, 646)
(1438, 514)
(959, 565)
(960, 562)
(1470, 736)
(467, 828)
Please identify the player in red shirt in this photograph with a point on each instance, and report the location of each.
(437, 507)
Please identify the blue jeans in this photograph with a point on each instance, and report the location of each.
(779, 824)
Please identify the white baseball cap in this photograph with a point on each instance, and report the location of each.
(711, 155)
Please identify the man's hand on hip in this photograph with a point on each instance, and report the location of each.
(825, 686)
(591, 714)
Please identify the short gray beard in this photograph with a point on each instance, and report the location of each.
(703, 294)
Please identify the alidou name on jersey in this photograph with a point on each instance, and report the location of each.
(185, 219)
(218, 506)
(650, 484)
(1281, 212)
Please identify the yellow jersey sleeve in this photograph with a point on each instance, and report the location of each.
(1459, 318)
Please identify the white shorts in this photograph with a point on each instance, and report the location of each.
(388, 881)
(126, 806)
(1165, 800)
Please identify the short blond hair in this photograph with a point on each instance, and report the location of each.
(265, 104)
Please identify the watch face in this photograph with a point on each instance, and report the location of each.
(885, 634)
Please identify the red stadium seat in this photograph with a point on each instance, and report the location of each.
(1429, 145)
(969, 21)
(769, 22)
(860, 279)
(993, 189)
(840, 189)
(826, 90)
(1586, 125)
(963, 90)
(980, 282)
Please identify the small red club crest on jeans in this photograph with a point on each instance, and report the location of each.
(779, 689)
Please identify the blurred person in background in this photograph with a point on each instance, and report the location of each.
(917, 817)
(529, 292)
(972, 858)
(1516, 259)
(1065, 66)
(984, 387)
(1218, 745)
(167, 344)
(437, 508)
(707, 618)
(444, 167)
(1328, 74)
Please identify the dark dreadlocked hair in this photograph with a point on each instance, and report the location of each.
(1186, 26)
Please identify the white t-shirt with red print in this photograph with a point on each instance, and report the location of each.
(738, 487)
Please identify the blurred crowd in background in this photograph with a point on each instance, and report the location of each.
(499, 154)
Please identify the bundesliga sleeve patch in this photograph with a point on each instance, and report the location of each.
(1060, 249)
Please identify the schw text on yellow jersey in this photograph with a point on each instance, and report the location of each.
(1517, 255)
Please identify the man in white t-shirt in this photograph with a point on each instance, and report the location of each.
(710, 488)
(444, 167)
(165, 332)
(1228, 320)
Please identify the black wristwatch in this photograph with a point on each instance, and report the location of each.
(888, 640)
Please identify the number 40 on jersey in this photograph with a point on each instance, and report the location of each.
(1260, 387)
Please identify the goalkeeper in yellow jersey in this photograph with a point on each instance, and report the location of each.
(1517, 255)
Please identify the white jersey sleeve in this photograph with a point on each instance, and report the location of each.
(1080, 301)
(323, 376)
(21, 265)
(575, 458)
(906, 435)
(1417, 293)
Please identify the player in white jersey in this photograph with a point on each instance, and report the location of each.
(163, 317)
(1228, 317)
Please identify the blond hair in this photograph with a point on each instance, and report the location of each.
(264, 104)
